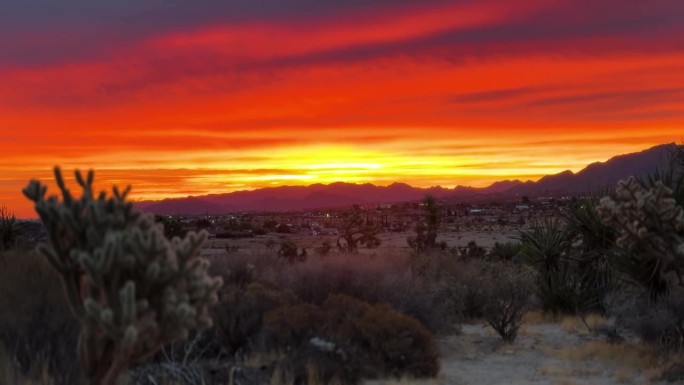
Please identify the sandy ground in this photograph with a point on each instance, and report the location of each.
(543, 354)
(390, 242)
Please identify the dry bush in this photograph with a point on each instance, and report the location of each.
(240, 270)
(36, 325)
(238, 317)
(436, 302)
(659, 324)
(506, 290)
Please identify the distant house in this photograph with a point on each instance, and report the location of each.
(522, 207)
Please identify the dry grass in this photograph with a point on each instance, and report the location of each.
(623, 355)
(538, 317)
(577, 325)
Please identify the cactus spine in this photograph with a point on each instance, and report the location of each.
(132, 289)
(650, 228)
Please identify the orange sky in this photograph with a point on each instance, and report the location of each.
(178, 100)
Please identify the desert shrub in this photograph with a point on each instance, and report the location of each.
(393, 343)
(288, 252)
(36, 325)
(436, 302)
(235, 269)
(324, 249)
(239, 316)
(378, 340)
(316, 361)
(472, 251)
(506, 292)
(660, 324)
(289, 326)
(507, 251)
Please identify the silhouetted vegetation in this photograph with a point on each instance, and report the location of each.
(10, 229)
(356, 232)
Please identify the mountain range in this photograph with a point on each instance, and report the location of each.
(596, 176)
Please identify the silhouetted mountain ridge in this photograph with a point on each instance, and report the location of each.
(599, 175)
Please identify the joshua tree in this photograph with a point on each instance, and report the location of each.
(355, 232)
(132, 289)
(426, 234)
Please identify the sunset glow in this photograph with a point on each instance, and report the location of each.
(180, 100)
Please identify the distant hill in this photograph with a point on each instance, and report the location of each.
(595, 176)
(601, 175)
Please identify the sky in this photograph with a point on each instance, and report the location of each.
(180, 97)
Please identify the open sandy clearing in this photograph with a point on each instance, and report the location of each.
(542, 354)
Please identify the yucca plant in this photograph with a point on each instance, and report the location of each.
(594, 245)
(10, 229)
(546, 247)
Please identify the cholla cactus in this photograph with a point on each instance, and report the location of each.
(650, 225)
(133, 290)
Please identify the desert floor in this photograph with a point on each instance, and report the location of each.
(390, 242)
(547, 351)
(554, 353)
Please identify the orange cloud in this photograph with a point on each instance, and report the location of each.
(424, 93)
